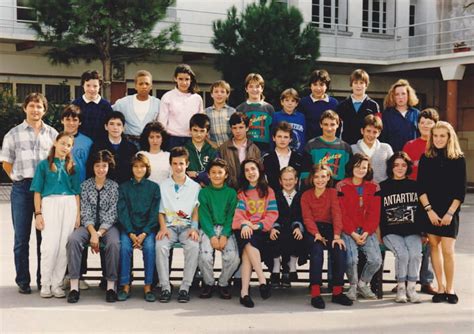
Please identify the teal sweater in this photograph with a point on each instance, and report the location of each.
(217, 207)
(138, 206)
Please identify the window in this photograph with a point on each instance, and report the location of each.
(78, 91)
(22, 90)
(374, 16)
(160, 93)
(24, 12)
(411, 31)
(59, 94)
(325, 13)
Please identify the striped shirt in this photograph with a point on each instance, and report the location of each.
(24, 150)
(220, 128)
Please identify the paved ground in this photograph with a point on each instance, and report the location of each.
(287, 311)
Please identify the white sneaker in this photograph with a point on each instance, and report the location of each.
(46, 291)
(401, 296)
(58, 292)
(83, 285)
(413, 296)
(352, 292)
(365, 292)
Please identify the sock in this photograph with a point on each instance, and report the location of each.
(315, 290)
(276, 265)
(111, 285)
(292, 263)
(75, 284)
(336, 290)
(411, 285)
(361, 284)
(401, 285)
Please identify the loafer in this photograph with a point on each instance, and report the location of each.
(24, 289)
(165, 296)
(247, 301)
(110, 296)
(224, 292)
(341, 299)
(265, 291)
(428, 289)
(183, 296)
(73, 296)
(452, 298)
(206, 292)
(318, 302)
(439, 298)
(150, 297)
(123, 295)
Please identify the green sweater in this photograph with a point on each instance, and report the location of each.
(138, 206)
(217, 207)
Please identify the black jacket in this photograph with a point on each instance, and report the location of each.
(289, 217)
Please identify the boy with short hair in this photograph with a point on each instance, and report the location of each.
(139, 109)
(121, 148)
(327, 148)
(259, 112)
(289, 100)
(200, 151)
(356, 107)
(219, 113)
(284, 156)
(217, 204)
(238, 148)
(313, 105)
(178, 220)
(94, 108)
(71, 119)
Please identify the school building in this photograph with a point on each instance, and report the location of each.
(428, 42)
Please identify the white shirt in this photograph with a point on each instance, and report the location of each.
(283, 159)
(366, 149)
(96, 100)
(141, 107)
(241, 150)
(160, 166)
(289, 197)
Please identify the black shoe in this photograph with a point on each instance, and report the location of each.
(24, 289)
(285, 280)
(452, 298)
(275, 280)
(165, 296)
(73, 296)
(224, 292)
(247, 301)
(237, 283)
(318, 302)
(183, 296)
(342, 299)
(206, 291)
(110, 296)
(293, 276)
(439, 298)
(265, 291)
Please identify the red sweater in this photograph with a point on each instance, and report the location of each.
(415, 149)
(366, 216)
(324, 208)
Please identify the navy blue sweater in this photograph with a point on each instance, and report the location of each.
(93, 117)
(397, 130)
(312, 111)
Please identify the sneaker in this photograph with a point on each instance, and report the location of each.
(183, 296)
(110, 296)
(352, 293)
(46, 291)
(413, 296)
(293, 276)
(341, 299)
(123, 295)
(83, 285)
(285, 280)
(206, 291)
(165, 296)
(452, 298)
(365, 292)
(318, 302)
(247, 301)
(275, 280)
(150, 296)
(24, 289)
(58, 292)
(401, 296)
(265, 291)
(224, 292)
(73, 297)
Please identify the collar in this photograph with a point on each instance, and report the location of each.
(325, 98)
(25, 125)
(186, 182)
(243, 145)
(281, 155)
(134, 181)
(259, 102)
(360, 101)
(224, 107)
(291, 195)
(96, 100)
(365, 147)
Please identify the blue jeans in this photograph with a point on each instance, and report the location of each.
(426, 271)
(407, 251)
(22, 206)
(126, 253)
(372, 252)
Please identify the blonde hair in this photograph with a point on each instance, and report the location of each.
(290, 93)
(143, 73)
(389, 100)
(255, 77)
(452, 149)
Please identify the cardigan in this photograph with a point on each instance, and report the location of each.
(134, 126)
(289, 216)
(109, 195)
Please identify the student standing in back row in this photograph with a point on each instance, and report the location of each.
(179, 105)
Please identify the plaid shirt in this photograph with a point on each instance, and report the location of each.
(220, 128)
(24, 150)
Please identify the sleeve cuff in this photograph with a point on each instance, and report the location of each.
(195, 225)
(297, 224)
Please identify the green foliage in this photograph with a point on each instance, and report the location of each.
(266, 38)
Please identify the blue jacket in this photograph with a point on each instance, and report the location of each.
(397, 130)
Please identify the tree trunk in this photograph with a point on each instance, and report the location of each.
(107, 75)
